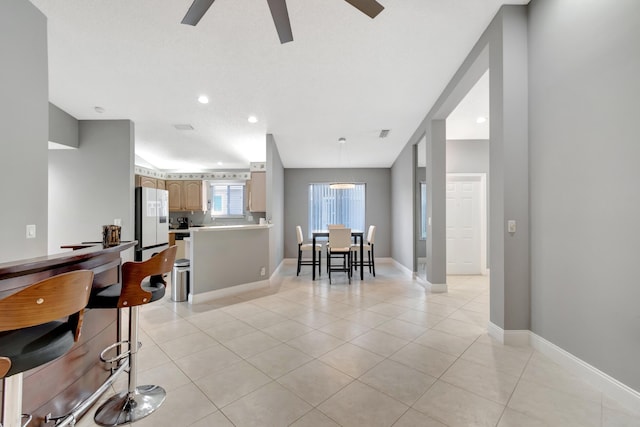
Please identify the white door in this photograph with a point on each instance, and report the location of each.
(464, 241)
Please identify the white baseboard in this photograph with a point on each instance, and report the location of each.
(618, 391)
(225, 292)
(437, 288)
(400, 266)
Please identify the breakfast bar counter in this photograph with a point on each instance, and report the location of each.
(60, 385)
(227, 258)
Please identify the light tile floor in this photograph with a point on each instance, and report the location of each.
(381, 352)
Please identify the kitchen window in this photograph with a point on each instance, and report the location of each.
(336, 206)
(227, 200)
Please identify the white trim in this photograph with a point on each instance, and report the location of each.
(437, 288)
(495, 332)
(401, 266)
(277, 269)
(618, 391)
(225, 292)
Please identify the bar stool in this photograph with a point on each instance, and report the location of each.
(141, 283)
(32, 332)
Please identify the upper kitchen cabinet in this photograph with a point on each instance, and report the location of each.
(258, 192)
(187, 195)
(145, 181)
(175, 195)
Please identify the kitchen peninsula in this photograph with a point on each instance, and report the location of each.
(227, 259)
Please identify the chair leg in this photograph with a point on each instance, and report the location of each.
(299, 261)
(372, 261)
(319, 263)
(137, 401)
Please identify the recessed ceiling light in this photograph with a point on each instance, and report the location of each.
(219, 163)
(252, 119)
(202, 99)
(481, 120)
(342, 140)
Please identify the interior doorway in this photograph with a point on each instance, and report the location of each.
(466, 207)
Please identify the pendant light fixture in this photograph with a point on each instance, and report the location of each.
(342, 185)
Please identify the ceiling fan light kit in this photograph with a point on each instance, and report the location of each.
(279, 13)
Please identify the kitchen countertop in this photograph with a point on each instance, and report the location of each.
(219, 227)
(230, 227)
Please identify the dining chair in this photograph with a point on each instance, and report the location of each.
(368, 248)
(340, 246)
(331, 227)
(307, 247)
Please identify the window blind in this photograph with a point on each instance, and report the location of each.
(329, 206)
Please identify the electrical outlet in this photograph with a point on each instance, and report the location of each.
(31, 231)
(117, 221)
(263, 271)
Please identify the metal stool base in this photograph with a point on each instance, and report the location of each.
(125, 407)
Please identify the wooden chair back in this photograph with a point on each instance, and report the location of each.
(64, 295)
(134, 273)
(5, 364)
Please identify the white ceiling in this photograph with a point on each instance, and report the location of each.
(344, 75)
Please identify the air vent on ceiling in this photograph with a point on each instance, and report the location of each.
(183, 127)
(384, 133)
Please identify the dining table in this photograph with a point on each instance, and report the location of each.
(356, 234)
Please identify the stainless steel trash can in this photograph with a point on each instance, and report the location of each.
(180, 280)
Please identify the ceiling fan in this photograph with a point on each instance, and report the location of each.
(279, 13)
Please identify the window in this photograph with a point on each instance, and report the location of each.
(344, 206)
(227, 199)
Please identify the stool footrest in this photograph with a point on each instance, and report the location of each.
(125, 407)
(117, 357)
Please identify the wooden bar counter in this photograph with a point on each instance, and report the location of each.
(59, 386)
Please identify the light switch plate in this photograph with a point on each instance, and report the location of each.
(511, 226)
(117, 221)
(31, 231)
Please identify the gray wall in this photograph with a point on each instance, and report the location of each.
(584, 153)
(24, 95)
(63, 127)
(468, 156)
(93, 185)
(378, 202)
(402, 199)
(275, 203)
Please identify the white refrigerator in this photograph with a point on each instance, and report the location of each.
(151, 222)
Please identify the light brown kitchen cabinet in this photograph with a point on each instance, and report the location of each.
(187, 195)
(145, 181)
(193, 196)
(258, 192)
(175, 195)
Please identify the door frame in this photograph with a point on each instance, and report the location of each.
(482, 179)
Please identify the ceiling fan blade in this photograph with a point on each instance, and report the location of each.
(369, 7)
(196, 11)
(281, 19)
